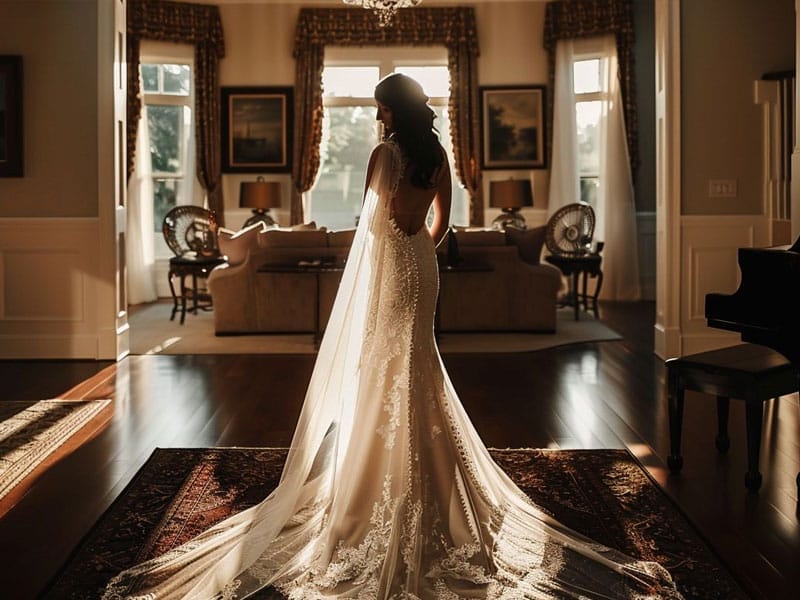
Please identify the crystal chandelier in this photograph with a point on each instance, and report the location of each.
(384, 9)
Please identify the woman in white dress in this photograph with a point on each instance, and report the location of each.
(388, 491)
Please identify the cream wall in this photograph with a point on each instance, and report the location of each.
(259, 41)
(58, 42)
(511, 38)
(726, 45)
(53, 210)
(57, 259)
(725, 48)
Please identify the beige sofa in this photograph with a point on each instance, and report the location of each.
(518, 294)
(260, 291)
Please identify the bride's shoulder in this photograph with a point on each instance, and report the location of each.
(387, 152)
(387, 147)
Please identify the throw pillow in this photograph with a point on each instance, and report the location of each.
(304, 226)
(236, 244)
(529, 242)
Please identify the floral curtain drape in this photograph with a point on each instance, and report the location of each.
(570, 19)
(453, 28)
(201, 26)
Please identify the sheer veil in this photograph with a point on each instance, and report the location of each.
(223, 554)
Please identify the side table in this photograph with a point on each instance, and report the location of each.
(194, 268)
(587, 265)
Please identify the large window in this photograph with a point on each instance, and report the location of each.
(168, 96)
(350, 131)
(588, 75)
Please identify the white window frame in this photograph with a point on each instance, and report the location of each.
(387, 59)
(152, 52)
(587, 50)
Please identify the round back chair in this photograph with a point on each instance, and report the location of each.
(570, 229)
(191, 229)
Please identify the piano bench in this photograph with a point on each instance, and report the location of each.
(748, 372)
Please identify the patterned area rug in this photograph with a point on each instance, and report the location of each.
(604, 494)
(30, 433)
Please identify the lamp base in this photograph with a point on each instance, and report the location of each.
(260, 216)
(509, 218)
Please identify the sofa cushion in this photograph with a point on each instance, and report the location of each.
(529, 242)
(306, 238)
(236, 244)
(341, 239)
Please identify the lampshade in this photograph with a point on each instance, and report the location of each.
(260, 194)
(510, 194)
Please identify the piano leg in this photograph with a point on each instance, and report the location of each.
(754, 415)
(723, 441)
(675, 408)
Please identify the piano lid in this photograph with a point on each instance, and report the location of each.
(765, 308)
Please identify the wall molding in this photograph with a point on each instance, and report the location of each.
(709, 263)
(50, 282)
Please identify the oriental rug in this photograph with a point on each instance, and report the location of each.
(604, 494)
(31, 433)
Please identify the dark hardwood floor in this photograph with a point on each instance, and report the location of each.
(595, 395)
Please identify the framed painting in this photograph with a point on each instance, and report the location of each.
(513, 127)
(11, 116)
(257, 129)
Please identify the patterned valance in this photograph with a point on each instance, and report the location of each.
(452, 27)
(570, 19)
(181, 23)
(449, 26)
(177, 22)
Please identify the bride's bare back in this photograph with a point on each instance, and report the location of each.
(411, 204)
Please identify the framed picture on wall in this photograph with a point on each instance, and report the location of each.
(513, 127)
(11, 116)
(257, 129)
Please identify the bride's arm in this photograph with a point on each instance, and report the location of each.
(373, 158)
(441, 206)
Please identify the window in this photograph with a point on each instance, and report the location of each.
(349, 129)
(167, 93)
(589, 96)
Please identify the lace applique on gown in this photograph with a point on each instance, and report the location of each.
(388, 491)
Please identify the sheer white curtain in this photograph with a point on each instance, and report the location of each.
(616, 219)
(139, 239)
(615, 211)
(193, 191)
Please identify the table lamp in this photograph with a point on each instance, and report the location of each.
(510, 196)
(260, 195)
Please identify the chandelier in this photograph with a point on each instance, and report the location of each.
(384, 9)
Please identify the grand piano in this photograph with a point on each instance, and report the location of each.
(765, 309)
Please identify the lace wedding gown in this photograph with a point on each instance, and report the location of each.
(388, 492)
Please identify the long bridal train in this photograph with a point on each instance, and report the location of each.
(388, 491)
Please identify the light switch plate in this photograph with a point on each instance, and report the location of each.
(722, 188)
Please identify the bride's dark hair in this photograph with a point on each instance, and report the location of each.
(412, 125)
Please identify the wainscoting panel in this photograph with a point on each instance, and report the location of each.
(54, 269)
(50, 288)
(709, 263)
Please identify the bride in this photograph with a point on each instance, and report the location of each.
(388, 491)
